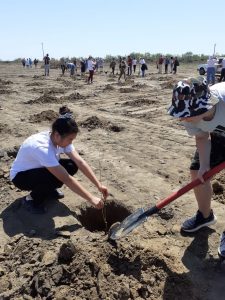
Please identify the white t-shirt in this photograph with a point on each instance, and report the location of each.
(211, 62)
(218, 90)
(217, 124)
(37, 151)
(142, 61)
(134, 62)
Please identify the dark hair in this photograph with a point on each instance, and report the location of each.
(65, 124)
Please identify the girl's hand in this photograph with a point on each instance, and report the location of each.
(97, 202)
(104, 191)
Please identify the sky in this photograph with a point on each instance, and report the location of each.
(79, 28)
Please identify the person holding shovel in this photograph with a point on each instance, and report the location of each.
(201, 109)
(39, 168)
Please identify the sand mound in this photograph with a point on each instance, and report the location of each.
(91, 123)
(45, 98)
(94, 123)
(47, 115)
(73, 96)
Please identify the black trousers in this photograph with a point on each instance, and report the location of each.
(129, 70)
(40, 181)
(63, 68)
(217, 154)
(91, 73)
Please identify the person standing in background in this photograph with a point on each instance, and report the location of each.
(27, 63)
(129, 65)
(143, 66)
(35, 62)
(134, 64)
(175, 65)
(30, 62)
(113, 65)
(82, 67)
(166, 63)
(211, 70)
(47, 64)
(160, 63)
(122, 67)
(90, 67)
(63, 65)
(23, 62)
(171, 64)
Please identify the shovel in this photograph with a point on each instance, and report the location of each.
(119, 230)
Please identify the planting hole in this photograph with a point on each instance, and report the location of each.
(92, 219)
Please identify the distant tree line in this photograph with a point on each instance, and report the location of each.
(187, 57)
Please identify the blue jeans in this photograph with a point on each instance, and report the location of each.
(46, 70)
(211, 75)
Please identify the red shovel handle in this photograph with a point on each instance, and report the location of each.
(190, 186)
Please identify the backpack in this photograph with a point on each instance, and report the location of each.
(144, 67)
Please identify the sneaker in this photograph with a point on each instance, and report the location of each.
(32, 207)
(198, 221)
(221, 248)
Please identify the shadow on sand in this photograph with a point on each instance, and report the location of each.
(205, 279)
(17, 220)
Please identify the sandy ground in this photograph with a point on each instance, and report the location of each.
(142, 155)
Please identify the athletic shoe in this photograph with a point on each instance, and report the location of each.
(198, 221)
(32, 207)
(221, 248)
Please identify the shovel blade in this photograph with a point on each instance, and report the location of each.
(128, 224)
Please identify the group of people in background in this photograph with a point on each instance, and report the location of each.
(127, 66)
(91, 65)
(169, 63)
(130, 65)
(27, 62)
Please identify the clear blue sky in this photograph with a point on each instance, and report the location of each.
(100, 27)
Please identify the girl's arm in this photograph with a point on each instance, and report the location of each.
(87, 171)
(61, 174)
